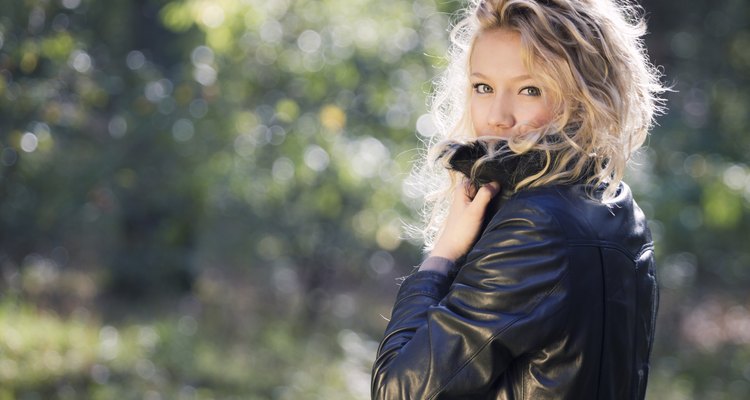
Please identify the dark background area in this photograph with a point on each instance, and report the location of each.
(204, 199)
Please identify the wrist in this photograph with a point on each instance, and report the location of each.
(442, 252)
(438, 264)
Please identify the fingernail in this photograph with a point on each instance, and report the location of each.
(494, 187)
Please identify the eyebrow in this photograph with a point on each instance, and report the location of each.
(514, 79)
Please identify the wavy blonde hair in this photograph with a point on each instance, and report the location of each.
(590, 59)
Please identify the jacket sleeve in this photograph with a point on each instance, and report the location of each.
(454, 340)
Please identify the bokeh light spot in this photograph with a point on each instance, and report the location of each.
(344, 306)
(272, 31)
(198, 108)
(157, 90)
(309, 41)
(287, 110)
(695, 165)
(145, 368)
(316, 158)
(739, 51)
(265, 55)
(147, 337)
(29, 62)
(71, 4)
(29, 142)
(202, 55)
(722, 207)
(109, 342)
(183, 130)
(283, 169)
(135, 60)
(382, 262)
(212, 15)
(205, 75)
(332, 118)
(426, 125)
(8, 157)
(285, 280)
(365, 222)
(367, 156)
(117, 126)
(735, 177)
(80, 61)
(388, 236)
(270, 247)
(678, 270)
(278, 135)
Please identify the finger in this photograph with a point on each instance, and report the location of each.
(486, 193)
(464, 191)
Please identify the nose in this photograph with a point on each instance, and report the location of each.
(501, 113)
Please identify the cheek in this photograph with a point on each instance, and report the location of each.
(476, 115)
(541, 115)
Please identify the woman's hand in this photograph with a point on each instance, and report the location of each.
(464, 220)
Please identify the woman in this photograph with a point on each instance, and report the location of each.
(540, 278)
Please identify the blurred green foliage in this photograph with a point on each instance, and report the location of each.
(203, 199)
(47, 357)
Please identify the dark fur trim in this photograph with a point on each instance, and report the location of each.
(506, 167)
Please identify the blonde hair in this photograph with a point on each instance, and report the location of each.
(590, 59)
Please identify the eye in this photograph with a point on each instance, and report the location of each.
(482, 88)
(531, 91)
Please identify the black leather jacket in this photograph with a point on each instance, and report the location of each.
(556, 300)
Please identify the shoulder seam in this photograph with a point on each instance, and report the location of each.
(614, 246)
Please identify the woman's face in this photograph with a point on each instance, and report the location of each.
(505, 100)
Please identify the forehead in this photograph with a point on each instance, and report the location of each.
(497, 50)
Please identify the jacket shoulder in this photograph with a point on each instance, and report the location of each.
(582, 218)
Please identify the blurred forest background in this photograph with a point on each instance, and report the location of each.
(202, 199)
